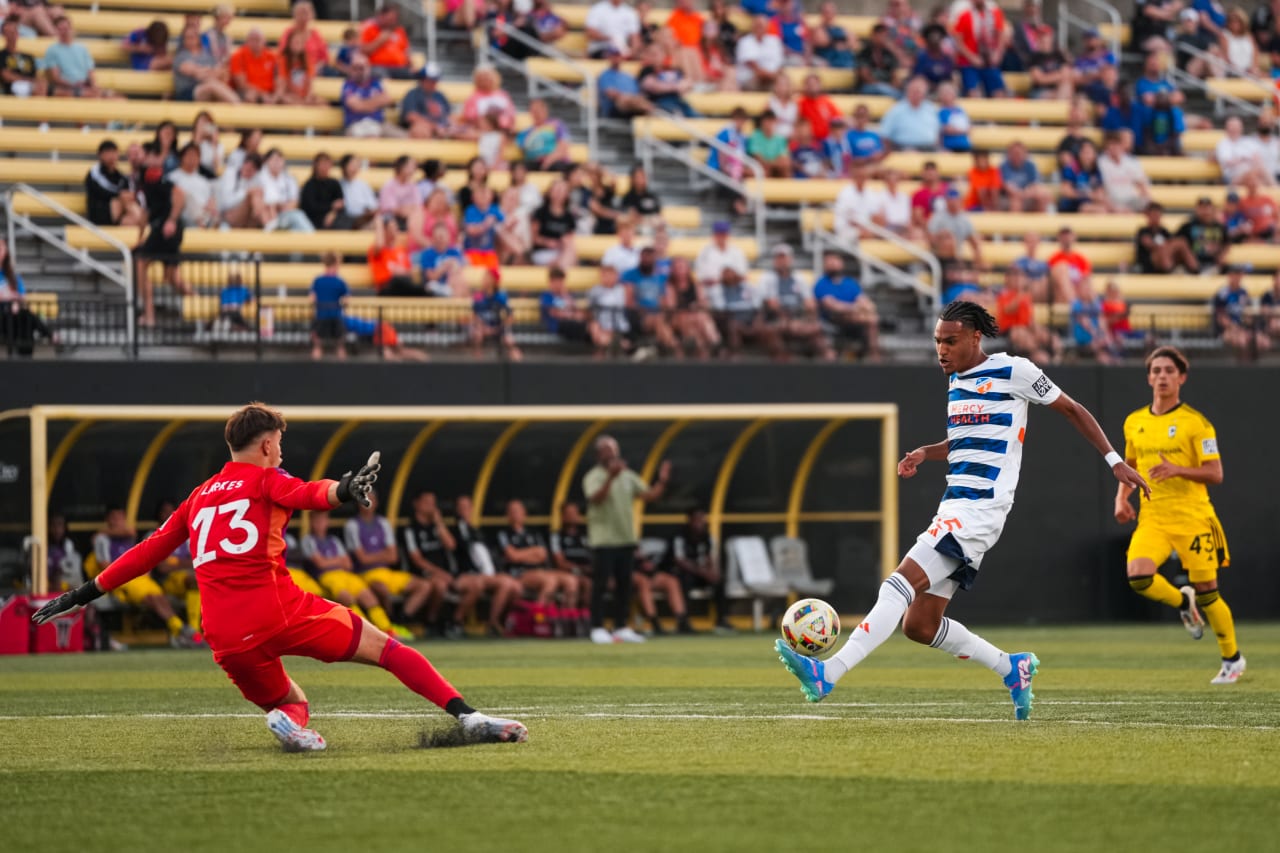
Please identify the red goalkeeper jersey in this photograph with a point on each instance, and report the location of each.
(234, 522)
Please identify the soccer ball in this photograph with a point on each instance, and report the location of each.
(811, 627)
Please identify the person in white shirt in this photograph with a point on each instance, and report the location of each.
(612, 23)
(625, 254)
(759, 56)
(239, 196)
(358, 198)
(1127, 185)
(784, 105)
(280, 195)
(856, 205)
(608, 304)
(200, 206)
(717, 256)
(1238, 155)
(894, 212)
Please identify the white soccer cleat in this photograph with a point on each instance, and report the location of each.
(485, 729)
(627, 635)
(1191, 618)
(1230, 672)
(602, 637)
(293, 737)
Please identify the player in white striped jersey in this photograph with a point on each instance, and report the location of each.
(987, 401)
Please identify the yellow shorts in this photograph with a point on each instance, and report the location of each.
(394, 580)
(178, 581)
(1201, 546)
(338, 582)
(138, 590)
(306, 583)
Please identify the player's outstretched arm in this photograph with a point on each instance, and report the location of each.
(288, 491)
(1087, 425)
(911, 462)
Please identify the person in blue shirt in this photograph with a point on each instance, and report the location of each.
(649, 301)
(563, 317)
(1034, 270)
(232, 301)
(425, 112)
(620, 92)
(11, 284)
(954, 123)
(732, 136)
(806, 155)
(441, 264)
(364, 102)
(934, 63)
(1087, 329)
(493, 320)
(480, 228)
(1164, 122)
(329, 299)
(791, 29)
(913, 123)
(148, 48)
(1020, 181)
(842, 303)
(831, 41)
(866, 147)
(1232, 317)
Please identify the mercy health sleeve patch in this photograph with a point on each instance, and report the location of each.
(1208, 447)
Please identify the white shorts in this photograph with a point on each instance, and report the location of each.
(951, 548)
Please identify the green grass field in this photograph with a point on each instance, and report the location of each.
(681, 744)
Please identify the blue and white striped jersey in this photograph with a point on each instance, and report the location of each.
(986, 424)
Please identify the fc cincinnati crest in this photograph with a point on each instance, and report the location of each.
(1173, 430)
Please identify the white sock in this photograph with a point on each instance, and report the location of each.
(896, 595)
(958, 640)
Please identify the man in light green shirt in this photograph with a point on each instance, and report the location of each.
(612, 489)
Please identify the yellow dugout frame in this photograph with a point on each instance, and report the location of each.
(595, 419)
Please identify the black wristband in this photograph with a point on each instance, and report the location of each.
(344, 489)
(85, 593)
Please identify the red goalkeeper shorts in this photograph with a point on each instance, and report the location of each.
(322, 630)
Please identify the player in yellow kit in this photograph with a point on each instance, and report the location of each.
(1177, 448)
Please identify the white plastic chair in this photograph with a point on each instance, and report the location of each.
(791, 562)
(750, 575)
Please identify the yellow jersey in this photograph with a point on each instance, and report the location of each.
(1186, 438)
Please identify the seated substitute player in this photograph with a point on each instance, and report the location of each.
(571, 550)
(695, 559)
(142, 590)
(987, 399)
(330, 565)
(502, 588)
(294, 563)
(1178, 448)
(176, 576)
(372, 545)
(650, 575)
(253, 612)
(526, 559)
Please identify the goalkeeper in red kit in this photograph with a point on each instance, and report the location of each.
(253, 613)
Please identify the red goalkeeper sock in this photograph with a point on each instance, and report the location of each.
(299, 712)
(417, 673)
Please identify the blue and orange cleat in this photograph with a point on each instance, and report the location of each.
(813, 682)
(1018, 681)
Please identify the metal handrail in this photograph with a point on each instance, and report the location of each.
(820, 238)
(1066, 19)
(647, 143)
(1183, 78)
(585, 97)
(124, 278)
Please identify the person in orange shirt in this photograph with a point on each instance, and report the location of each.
(385, 42)
(984, 183)
(686, 24)
(1015, 314)
(255, 71)
(817, 107)
(390, 261)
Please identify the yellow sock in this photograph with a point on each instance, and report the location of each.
(1156, 588)
(193, 609)
(175, 625)
(379, 618)
(1218, 614)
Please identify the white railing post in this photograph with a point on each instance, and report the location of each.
(431, 12)
(1066, 19)
(1227, 71)
(822, 237)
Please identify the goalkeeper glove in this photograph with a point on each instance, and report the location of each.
(356, 487)
(67, 602)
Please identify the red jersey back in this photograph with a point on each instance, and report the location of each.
(234, 522)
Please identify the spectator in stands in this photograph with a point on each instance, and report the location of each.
(1088, 331)
(789, 307)
(553, 227)
(807, 160)
(69, 65)
(878, 66)
(1155, 250)
(625, 254)
(19, 72)
(390, 262)
(148, 47)
(477, 177)
(759, 56)
(816, 107)
(913, 123)
(788, 19)
(843, 304)
(985, 183)
(733, 137)
(649, 302)
(894, 211)
(562, 316)
(1088, 67)
(953, 122)
(925, 199)
(216, 41)
(1239, 156)
(1080, 188)
(599, 194)
(480, 223)
(108, 200)
(545, 142)
(1206, 236)
(492, 140)
(831, 43)
(1035, 272)
(959, 276)
(769, 147)
(718, 257)
(1191, 35)
(493, 320)
(240, 195)
(515, 232)
(663, 87)
(981, 36)
(691, 319)
(163, 202)
(934, 63)
(736, 306)
(358, 198)
(424, 112)
(608, 304)
(329, 301)
(433, 176)
(1067, 267)
(442, 265)
(1271, 308)
(487, 98)
(1238, 46)
(400, 197)
(1260, 211)
(855, 205)
(255, 70)
(200, 205)
(1020, 181)
(350, 46)
(385, 43)
(1234, 220)
(12, 287)
(1152, 25)
(297, 71)
(313, 43)
(1015, 314)
(1115, 316)
(204, 135)
(639, 203)
(620, 95)
(166, 139)
(1164, 121)
(280, 196)
(612, 23)
(953, 220)
(1126, 182)
(35, 15)
(197, 74)
(865, 146)
(1233, 314)
(904, 29)
(364, 103)
(1026, 37)
(1051, 73)
(321, 198)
